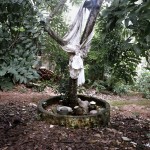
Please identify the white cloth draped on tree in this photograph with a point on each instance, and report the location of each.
(76, 49)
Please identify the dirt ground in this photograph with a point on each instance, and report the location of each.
(129, 128)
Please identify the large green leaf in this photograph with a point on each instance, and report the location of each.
(2, 72)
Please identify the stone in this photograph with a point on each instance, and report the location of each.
(84, 105)
(64, 110)
(78, 110)
(97, 135)
(11, 114)
(51, 126)
(126, 139)
(92, 106)
(32, 105)
(93, 112)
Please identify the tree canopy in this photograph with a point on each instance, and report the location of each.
(121, 39)
(134, 16)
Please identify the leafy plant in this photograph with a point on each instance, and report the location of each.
(98, 85)
(19, 42)
(143, 84)
(6, 83)
(121, 88)
(57, 55)
(22, 38)
(110, 59)
(134, 16)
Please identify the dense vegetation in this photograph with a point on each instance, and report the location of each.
(19, 42)
(122, 38)
(22, 39)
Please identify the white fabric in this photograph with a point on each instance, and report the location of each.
(75, 66)
(77, 69)
(77, 62)
(73, 38)
(81, 77)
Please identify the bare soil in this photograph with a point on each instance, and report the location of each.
(129, 128)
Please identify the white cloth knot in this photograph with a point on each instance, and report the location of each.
(77, 69)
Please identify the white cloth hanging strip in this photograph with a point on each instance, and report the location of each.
(78, 51)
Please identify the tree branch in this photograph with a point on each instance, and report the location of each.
(55, 36)
(91, 21)
(49, 30)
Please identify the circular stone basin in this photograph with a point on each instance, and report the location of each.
(99, 119)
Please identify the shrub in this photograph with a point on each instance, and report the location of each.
(19, 43)
(143, 84)
(120, 88)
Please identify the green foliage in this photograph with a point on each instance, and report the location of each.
(115, 54)
(19, 42)
(143, 84)
(75, 2)
(98, 85)
(22, 39)
(134, 17)
(6, 83)
(120, 88)
(63, 86)
(57, 55)
(58, 24)
(110, 59)
(41, 85)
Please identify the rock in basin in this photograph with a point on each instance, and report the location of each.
(92, 120)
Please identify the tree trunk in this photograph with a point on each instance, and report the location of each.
(71, 94)
(91, 21)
